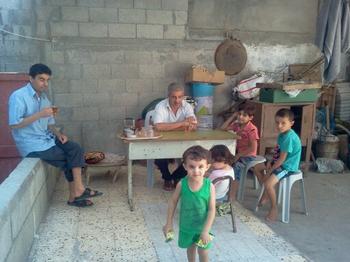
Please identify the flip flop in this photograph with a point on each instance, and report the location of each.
(80, 203)
(87, 194)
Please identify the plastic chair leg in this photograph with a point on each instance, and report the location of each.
(233, 219)
(303, 196)
(286, 189)
(240, 193)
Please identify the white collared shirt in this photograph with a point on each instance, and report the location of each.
(164, 114)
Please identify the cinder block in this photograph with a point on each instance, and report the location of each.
(72, 71)
(181, 5)
(138, 57)
(91, 3)
(110, 57)
(151, 71)
(59, 86)
(105, 139)
(41, 205)
(174, 32)
(112, 85)
(76, 14)
(103, 15)
(180, 17)
(20, 17)
(150, 31)
(132, 16)
(96, 71)
(41, 29)
(136, 85)
(22, 244)
(93, 30)
(68, 100)
(159, 17)
(80, 56)
(127, 98)
(20, 211)
(160, 85)
(5, 234)
(83, 86)
(85, 114)
(97, 99)
(48, 13)
(64, 29)
(119, 4)
(57, 57)
(148, 4)
(111, 112)
(125, 71)
(61, 2)
(122, 30)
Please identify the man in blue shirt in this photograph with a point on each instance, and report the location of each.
(31, 118)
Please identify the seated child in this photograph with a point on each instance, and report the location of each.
(287, 161)
(222, 160)
(221, 166)
(197, 204)
(247, 145)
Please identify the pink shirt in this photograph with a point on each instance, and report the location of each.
(247, 133)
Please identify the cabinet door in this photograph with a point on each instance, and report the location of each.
(268, 127)
(307, 122)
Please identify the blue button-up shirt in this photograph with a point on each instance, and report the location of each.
(36, 136)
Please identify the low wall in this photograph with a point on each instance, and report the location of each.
(24, 200)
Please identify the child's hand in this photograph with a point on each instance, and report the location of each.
(205, 237)
(166, 229)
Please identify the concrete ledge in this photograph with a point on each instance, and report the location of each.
(24, 200)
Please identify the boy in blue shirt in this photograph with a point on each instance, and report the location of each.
(286, 161)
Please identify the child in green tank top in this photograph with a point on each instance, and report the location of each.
(197, 204)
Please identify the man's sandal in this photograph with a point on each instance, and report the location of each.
(80, 203)
(88, 192)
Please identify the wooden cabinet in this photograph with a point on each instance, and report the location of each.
(304, 122)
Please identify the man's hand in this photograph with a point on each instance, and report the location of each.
(46, 112)
(62, 138)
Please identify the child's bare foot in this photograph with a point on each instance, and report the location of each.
(263, 201)
(272, 215)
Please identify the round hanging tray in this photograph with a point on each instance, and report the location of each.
(231, 56)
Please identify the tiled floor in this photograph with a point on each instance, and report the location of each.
(108, 231)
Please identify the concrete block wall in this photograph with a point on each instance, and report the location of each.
(110, 58)
(25, 197)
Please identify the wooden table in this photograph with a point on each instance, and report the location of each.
(172, 145)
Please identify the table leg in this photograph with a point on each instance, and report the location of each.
(130, 197)
(150, 178)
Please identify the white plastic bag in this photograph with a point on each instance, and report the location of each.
(247, 89)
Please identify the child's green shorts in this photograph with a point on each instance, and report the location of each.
(187, 239)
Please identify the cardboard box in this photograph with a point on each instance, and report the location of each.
(200, 75)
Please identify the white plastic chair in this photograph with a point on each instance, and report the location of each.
(148, 118)
(240, 193)
(229, 198)
(284, 191)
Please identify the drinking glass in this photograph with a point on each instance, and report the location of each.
(129, 122)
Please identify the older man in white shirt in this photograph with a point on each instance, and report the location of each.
(173, 113)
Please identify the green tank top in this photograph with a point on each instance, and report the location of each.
(194, 206)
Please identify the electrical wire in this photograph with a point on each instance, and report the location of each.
(27, 37)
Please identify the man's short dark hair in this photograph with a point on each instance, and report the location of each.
(247, 108)
(196, 153)
(285, 112)
(38, 69)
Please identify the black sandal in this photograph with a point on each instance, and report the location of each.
(80, 203)
(87, 194)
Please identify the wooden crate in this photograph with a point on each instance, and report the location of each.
(313, 75)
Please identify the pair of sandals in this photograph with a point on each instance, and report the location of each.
(82, 200)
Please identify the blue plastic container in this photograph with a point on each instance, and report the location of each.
(202, 89)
